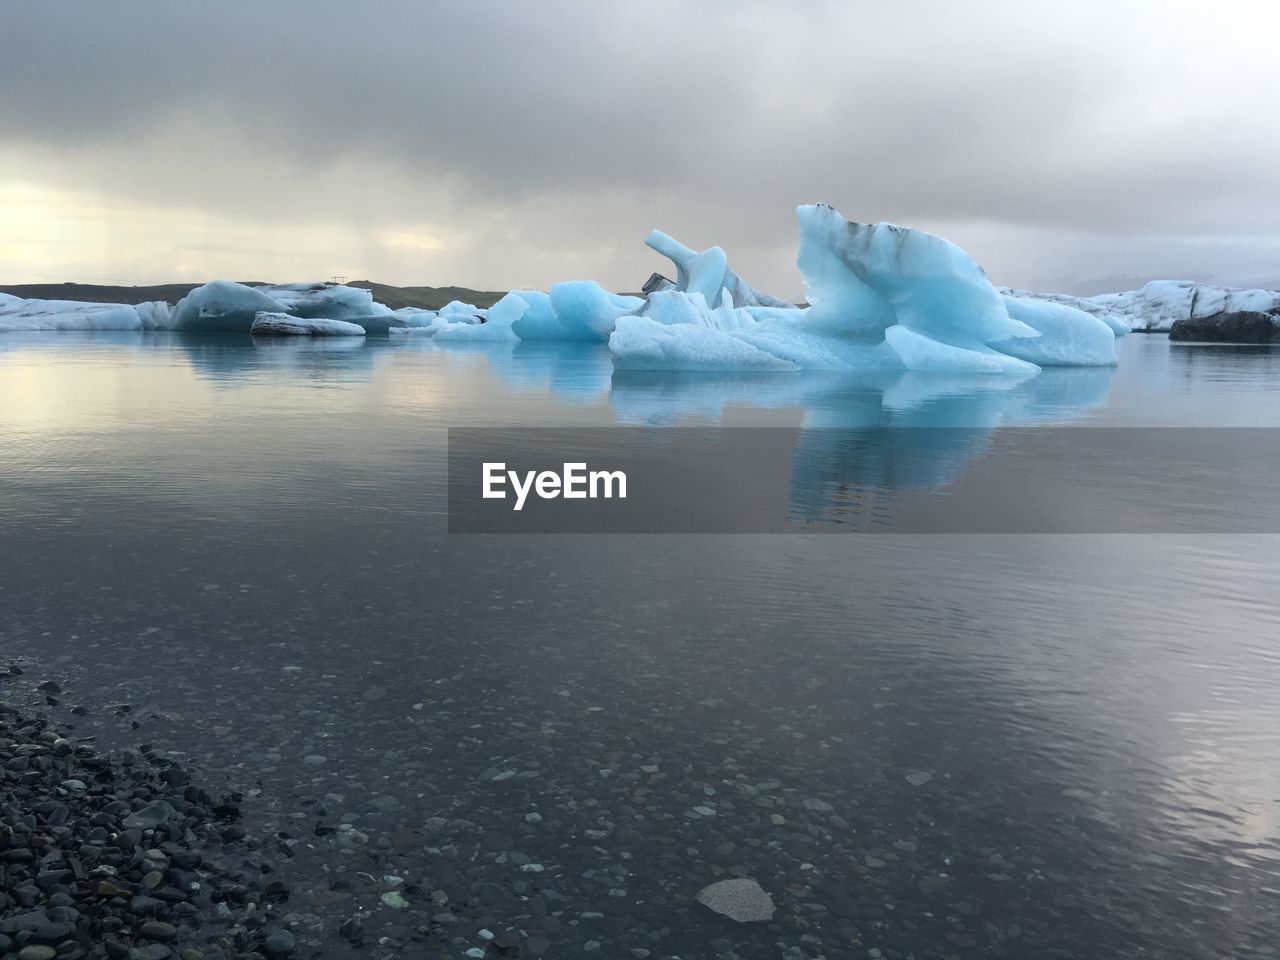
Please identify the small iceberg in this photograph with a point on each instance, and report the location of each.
(270, 324)
(19, 314)
(221, 306)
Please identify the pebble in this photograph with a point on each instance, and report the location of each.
(158, 930)
(281, 943)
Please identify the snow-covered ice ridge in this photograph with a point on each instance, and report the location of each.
(19, 314)
(1161, 303)
(880, 296)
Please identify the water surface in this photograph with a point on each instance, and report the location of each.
(926, 746)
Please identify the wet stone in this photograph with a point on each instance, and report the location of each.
(158, 930)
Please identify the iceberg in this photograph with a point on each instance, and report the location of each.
(267, 323)
(543, 321)
(1161, 303)
(19, 314)
(880, 296)
(221, 306)
(1156, 307)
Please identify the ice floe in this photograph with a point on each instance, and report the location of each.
(18, 314)
(273, 324)
(1158, 305)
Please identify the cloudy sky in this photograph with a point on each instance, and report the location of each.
(1081, 147)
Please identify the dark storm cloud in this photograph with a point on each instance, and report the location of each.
(574, 127)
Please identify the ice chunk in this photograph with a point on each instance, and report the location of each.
(379, 324)
(416, 316)
(1067, 337)
(456, 310)
(221, 306)
(708, 273)
(17, 314)
(541, 322)
(583, 306)
(507, 311)
(497, 325)
(286, 325)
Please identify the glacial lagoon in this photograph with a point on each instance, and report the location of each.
(964, 745)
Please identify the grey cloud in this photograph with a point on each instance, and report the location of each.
(555, 134)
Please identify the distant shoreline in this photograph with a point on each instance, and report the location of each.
(427, 298)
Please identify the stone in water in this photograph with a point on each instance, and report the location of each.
(742, 900)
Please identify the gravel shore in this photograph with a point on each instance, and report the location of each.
(119, 855)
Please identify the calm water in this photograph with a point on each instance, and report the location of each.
(925, 746)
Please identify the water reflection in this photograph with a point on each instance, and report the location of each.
(234, 360)
(838, 470)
